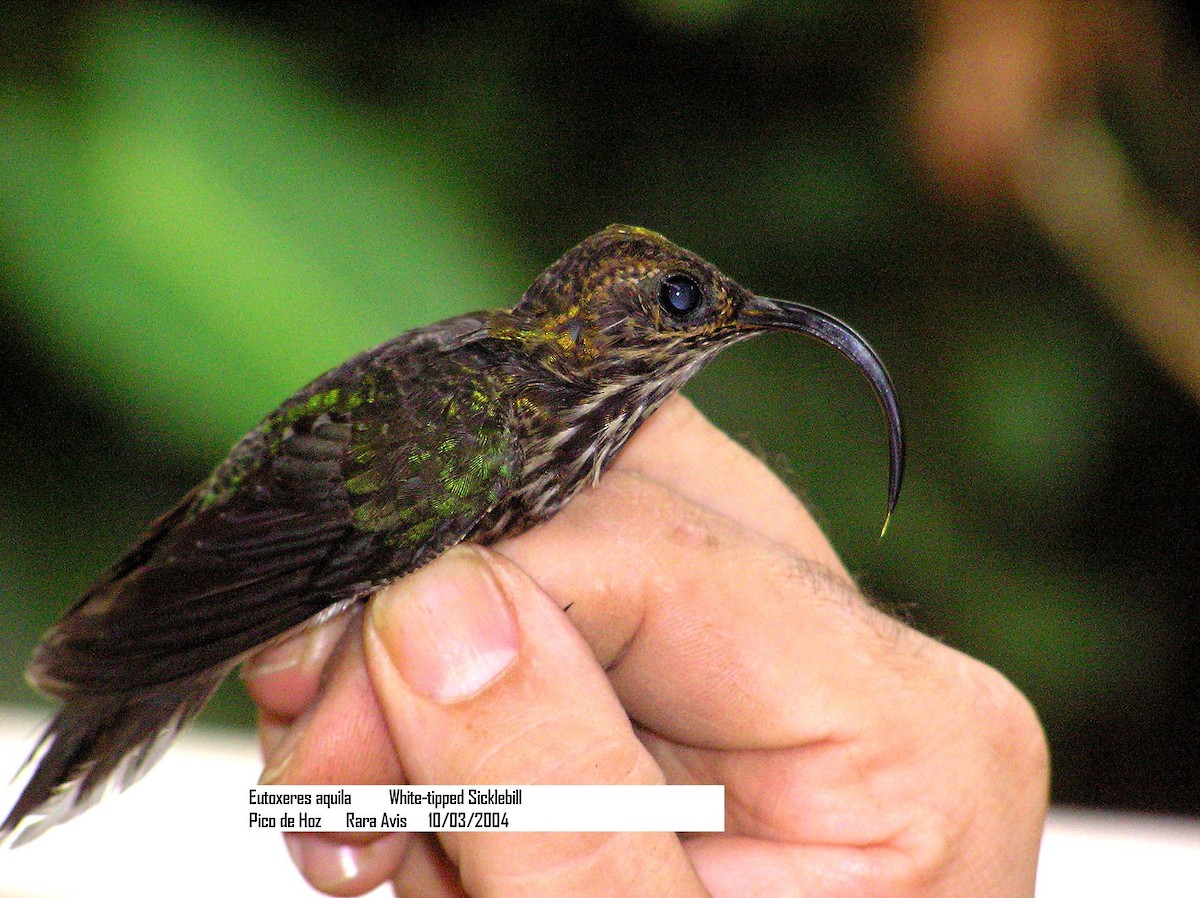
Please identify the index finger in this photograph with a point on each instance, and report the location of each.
(713, 634)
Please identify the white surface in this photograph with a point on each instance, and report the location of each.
(181, 832)
(1098, 854)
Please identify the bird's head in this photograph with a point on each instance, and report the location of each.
(628, 313)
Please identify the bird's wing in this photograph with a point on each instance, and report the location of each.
(353, 483)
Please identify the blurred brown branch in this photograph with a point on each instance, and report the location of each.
(1006, 109)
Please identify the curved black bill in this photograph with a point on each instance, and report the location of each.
(762, 313)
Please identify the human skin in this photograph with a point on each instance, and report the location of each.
(711, 636)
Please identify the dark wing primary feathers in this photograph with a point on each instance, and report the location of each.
(373, 470)
(208, 583)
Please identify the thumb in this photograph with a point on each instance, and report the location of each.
(483, 680)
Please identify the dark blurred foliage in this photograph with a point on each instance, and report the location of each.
(204, 205)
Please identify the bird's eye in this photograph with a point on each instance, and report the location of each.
(679, 295)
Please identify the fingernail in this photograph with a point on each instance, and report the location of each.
(447, 628)
(310, 646)
(326, 865)
(276, 764)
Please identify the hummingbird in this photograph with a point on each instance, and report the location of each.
(475, 428)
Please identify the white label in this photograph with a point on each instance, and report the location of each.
(427, 809)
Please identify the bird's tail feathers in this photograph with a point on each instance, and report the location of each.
(101, 742)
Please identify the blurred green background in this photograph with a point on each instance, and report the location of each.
(204, 205)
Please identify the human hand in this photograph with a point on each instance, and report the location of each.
(712, 636)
